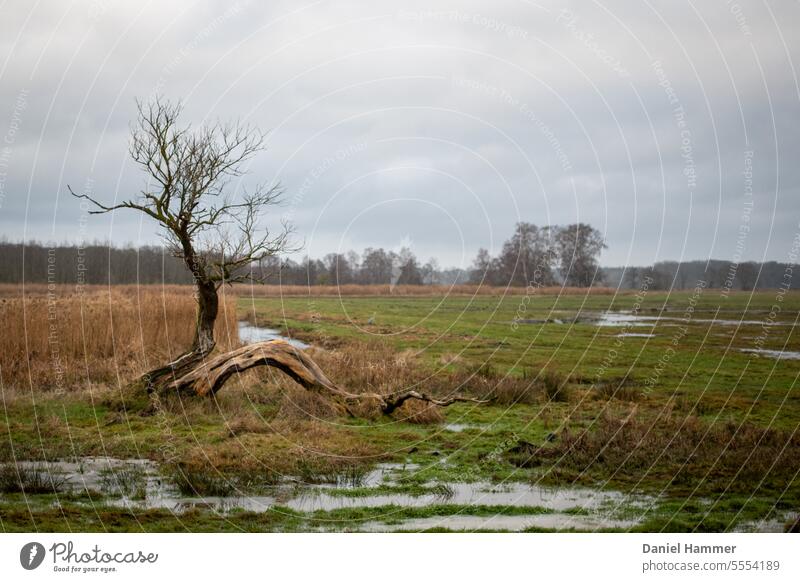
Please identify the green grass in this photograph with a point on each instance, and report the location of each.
(724, 393)
(706, 369)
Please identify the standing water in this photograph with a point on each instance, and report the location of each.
(251, 334)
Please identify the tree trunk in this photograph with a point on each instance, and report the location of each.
(202, 344)
(208, 377)
(207, 309)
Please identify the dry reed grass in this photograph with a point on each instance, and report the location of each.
(108, 335)
(377, 367)
(64, 339)
(409, 290)
(241, 290)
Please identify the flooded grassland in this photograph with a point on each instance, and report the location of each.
(656, 413)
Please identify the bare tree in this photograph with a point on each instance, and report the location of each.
(189, 173)
(220, 240)
(430, 272)
(527, 257)
(578, 247)
(484, 269)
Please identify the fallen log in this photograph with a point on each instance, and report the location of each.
(210, 376)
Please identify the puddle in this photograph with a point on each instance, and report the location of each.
(600, 319)
(554, 521)
(516, 494)
(316, 498)
(249, 334)
(138, 484)
(459, 427)
(628, 319)
(774, 354)
(743, 322)
(124, 478)
(624, 334)
(522, 494)
(619, 319)
(613, 319)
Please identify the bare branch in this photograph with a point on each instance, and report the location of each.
(102, 209)
(189, 171)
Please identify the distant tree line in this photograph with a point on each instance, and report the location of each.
(373, 266)
(543, 257)
(94, 264)
(533, 255)
(99, 263)
(723, 275)
(536, 256)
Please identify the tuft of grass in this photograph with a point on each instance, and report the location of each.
(554, 385)
(513, 390)
(443, 490)
(312, 471)
(417, 412)
(248, 423)
(203, 482)
(482, 370)
(623, 389)
(300, 404)
(130, 481)
(32, 480)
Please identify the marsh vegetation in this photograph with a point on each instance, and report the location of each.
(705, 439)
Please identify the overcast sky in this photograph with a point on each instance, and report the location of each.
(671, 126)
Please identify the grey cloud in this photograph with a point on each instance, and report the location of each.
(537, 114)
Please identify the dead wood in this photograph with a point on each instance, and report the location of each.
(210, 376)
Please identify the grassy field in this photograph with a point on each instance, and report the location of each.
(693, 361)
(657, 407)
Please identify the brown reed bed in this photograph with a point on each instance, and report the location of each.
(8, 290)
(377, 367)
(63, 338)
(408, 290)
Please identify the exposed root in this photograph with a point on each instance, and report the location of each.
(210, 376)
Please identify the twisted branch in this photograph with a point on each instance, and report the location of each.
(209, 377)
